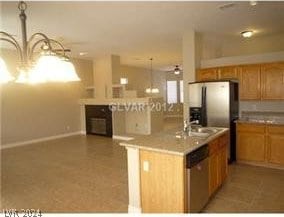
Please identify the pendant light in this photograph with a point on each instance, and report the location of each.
(151, 89)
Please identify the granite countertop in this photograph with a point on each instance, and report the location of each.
(260, 121)
(262, 117)
(167, 142)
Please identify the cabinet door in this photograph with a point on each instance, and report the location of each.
(207, 74)
(228, 72)
(250, 146)
(249, 82)
(223, 165)
(213, 173)
(272, 77)
(276, 148)
(162, 179)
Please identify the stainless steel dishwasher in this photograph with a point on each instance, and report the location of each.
(197, 179)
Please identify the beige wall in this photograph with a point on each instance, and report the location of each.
(216, 46)
(140, 78)
(36, 111)
(103, 77)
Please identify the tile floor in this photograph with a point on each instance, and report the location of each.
(250, 189)
(89, 174)
(75, 174)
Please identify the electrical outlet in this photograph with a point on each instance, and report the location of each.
(146, 166)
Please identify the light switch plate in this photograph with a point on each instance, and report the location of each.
(146, 166)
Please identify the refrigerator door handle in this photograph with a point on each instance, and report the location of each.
(203, 107)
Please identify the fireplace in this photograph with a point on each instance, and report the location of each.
(98, 120)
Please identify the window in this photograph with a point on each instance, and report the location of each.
(181, 91)
(175, 91)
(171, 92)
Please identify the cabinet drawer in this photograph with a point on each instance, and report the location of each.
(275, 129)
(253, 128)
(213, 146)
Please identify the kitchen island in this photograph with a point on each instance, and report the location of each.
(157, 173)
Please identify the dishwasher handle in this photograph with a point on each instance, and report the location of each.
(197, 156)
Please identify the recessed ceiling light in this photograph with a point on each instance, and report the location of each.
(83, 53)
(253, 2)
(247, 34)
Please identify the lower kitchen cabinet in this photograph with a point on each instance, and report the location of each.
(218, 162)
(162, 182)
(260, 143)
(213, 173)
(275, 142)
(223, 161)
(251, 146)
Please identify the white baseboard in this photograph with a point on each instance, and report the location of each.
(124, 138)
(16, 144)
(132, 209)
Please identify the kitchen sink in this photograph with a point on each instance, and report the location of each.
(206, 130)
(200, 132)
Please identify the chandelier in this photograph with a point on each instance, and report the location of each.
(151, 89)
(50, 64)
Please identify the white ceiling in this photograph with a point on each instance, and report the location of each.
(139, 30)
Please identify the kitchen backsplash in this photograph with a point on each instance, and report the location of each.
(270, 106)
(262, 110)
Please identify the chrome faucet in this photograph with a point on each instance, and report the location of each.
(187, 125)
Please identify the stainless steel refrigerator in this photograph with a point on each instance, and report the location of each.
(216, 104)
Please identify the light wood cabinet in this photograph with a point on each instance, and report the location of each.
(260, 143)
(251, 146)
(207, 74)
(213, 173)
(228, 72)
(163, 185)
(249, 82)
(251, 142)
(275, 141)
(223, 161)
(256, 81)
(218, 162)
(272, 78)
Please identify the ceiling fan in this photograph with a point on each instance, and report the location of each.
(176, 70)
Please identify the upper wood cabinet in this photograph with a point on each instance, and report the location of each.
(228, 72)
(256, 81)
(249, 82)
(207, 74)
(272, 78)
